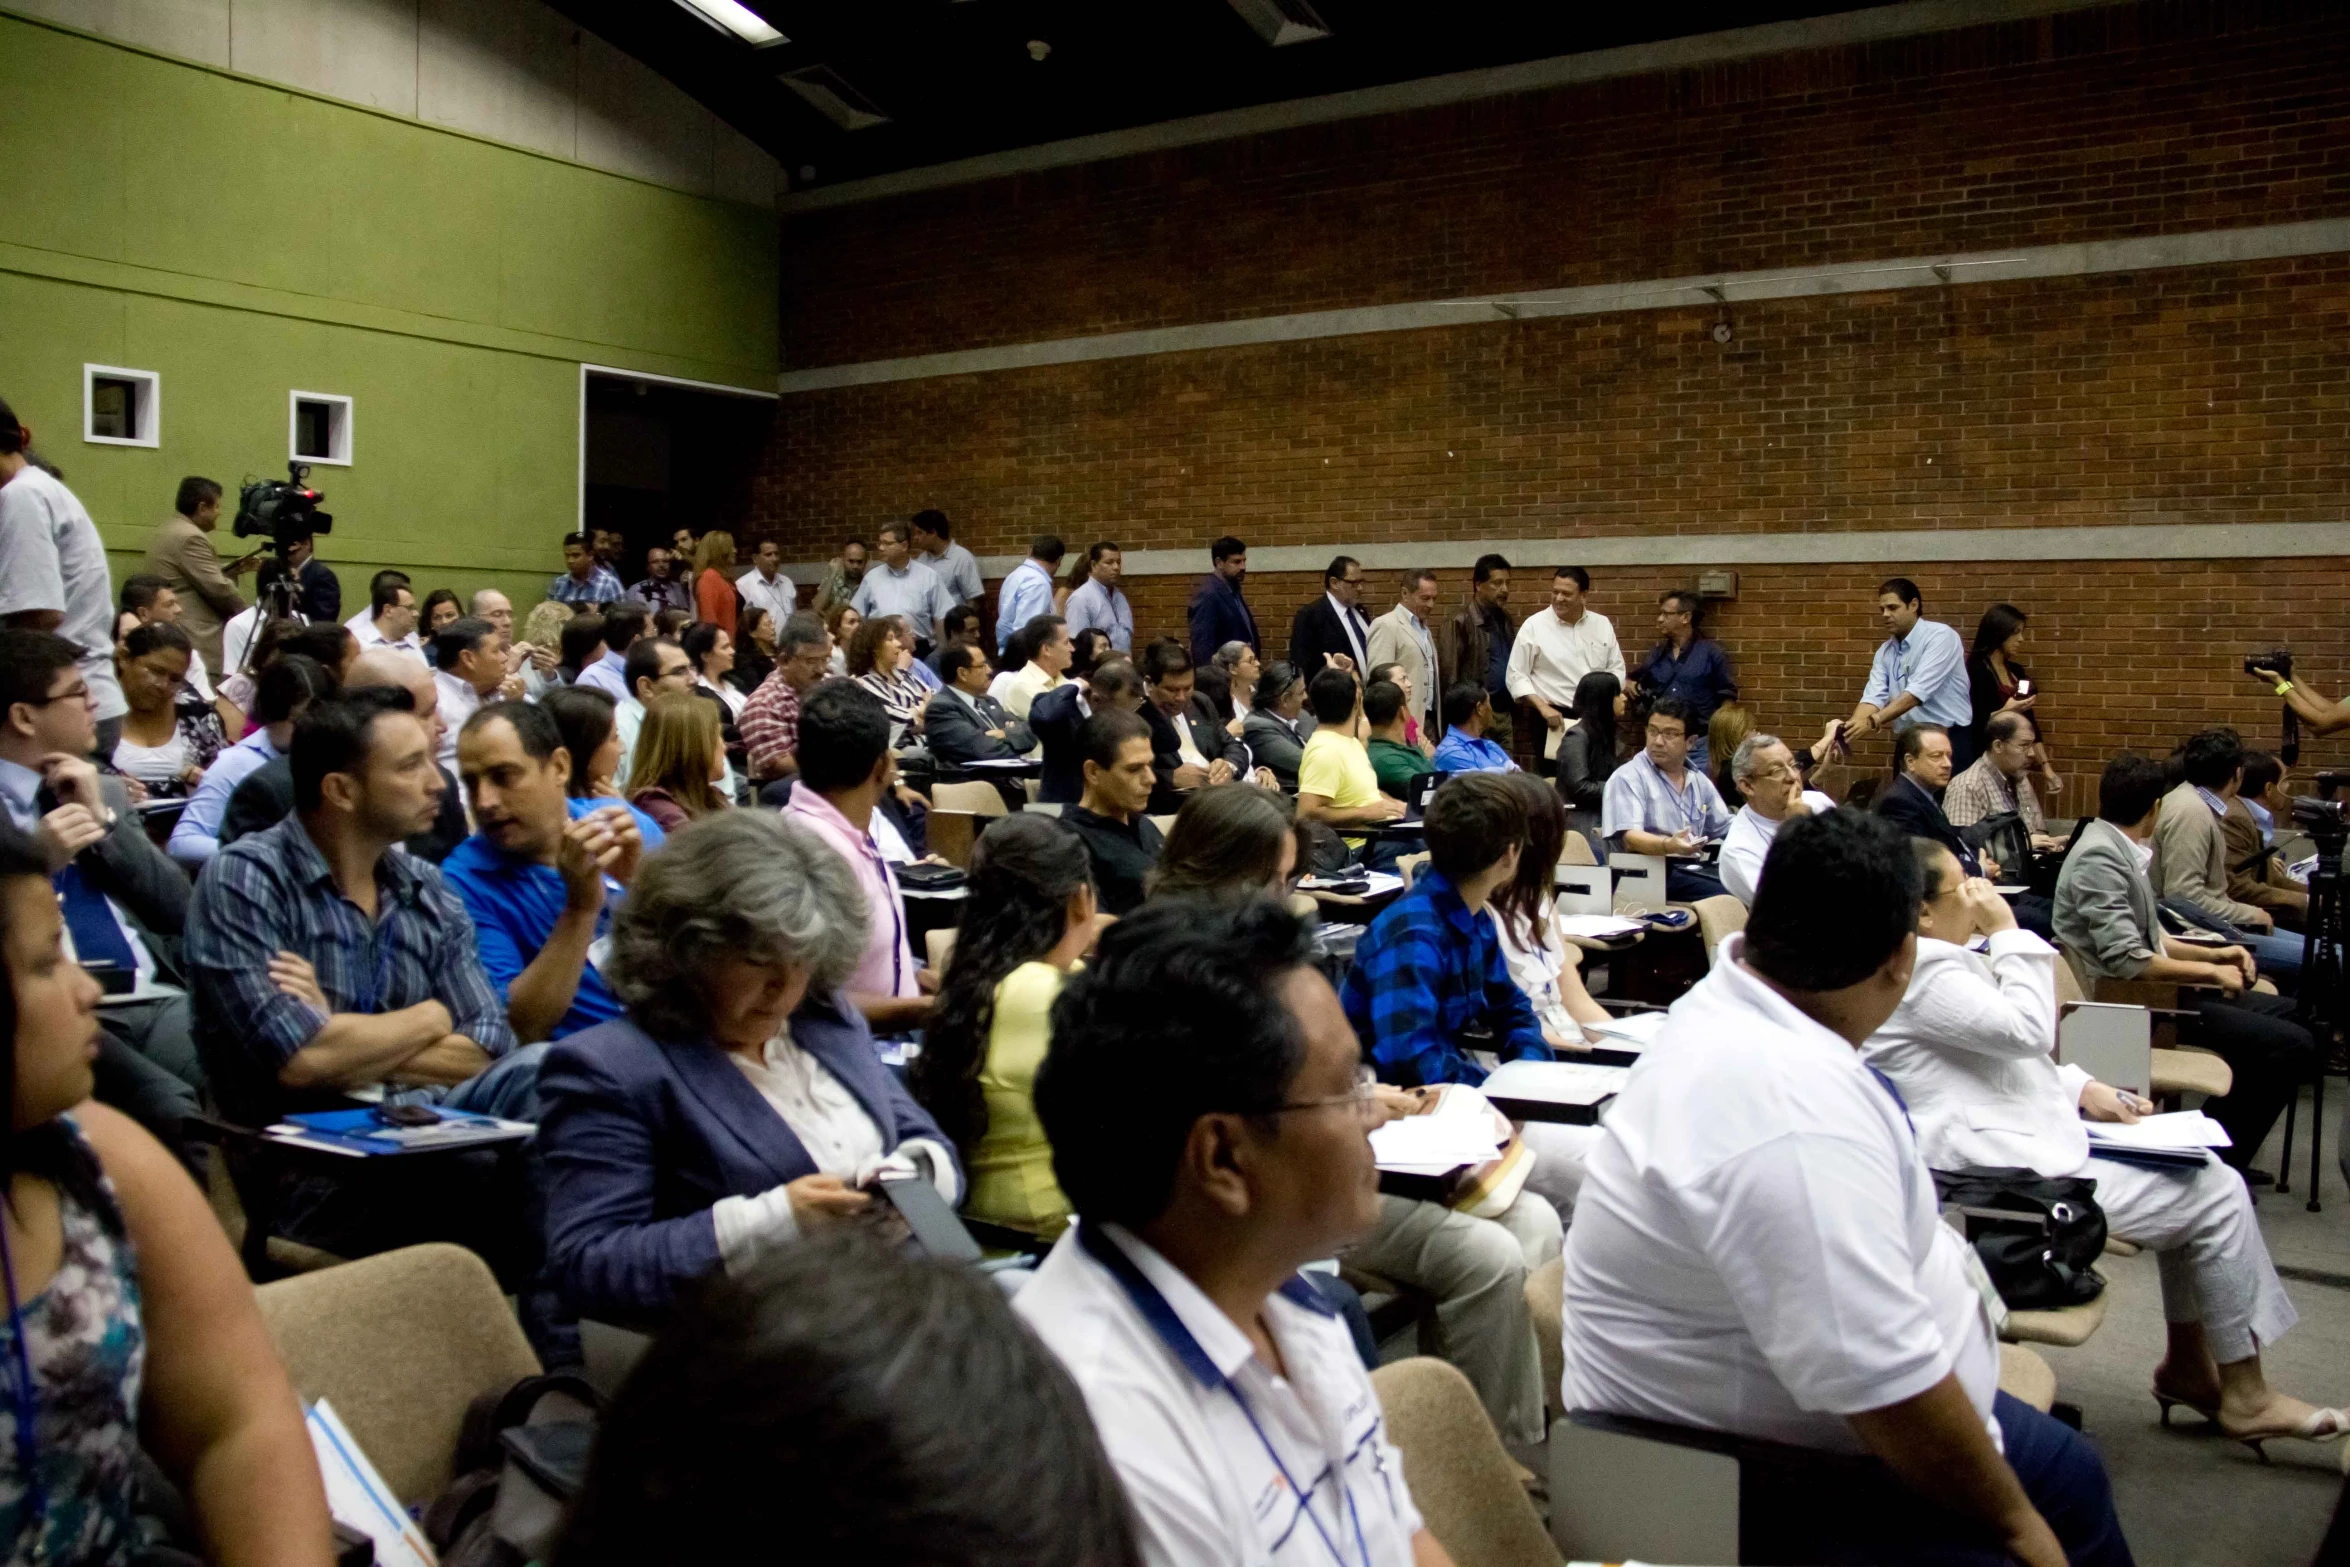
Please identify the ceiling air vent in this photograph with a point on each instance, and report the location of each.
(728, 16)
(830, 95)
(1283, 21)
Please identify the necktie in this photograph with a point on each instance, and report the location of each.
(97, 935)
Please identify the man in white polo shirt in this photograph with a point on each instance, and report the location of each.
(1765, 771)
(1206, 1124)
(1758, 1247)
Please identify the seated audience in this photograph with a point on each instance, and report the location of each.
(1277, 726)
(1029, 920)
(879, 661)
(279, 636)
(711, 652)
(266, 797)
(1036, 660)
(754, 649)
(124, 903)
(2107, 923)
(1468, 713)
(469, 669)
(1732, 722)
(890, 1407)
(2000, 780)
(1912, 801)
(542, 873)
(170, 735)
(1229, 682)
(1189, 746)
(1089, 648)
(288, 684)
(584, 719)
(845, 770)
(1524, 921)
(1113, 815)
(1415, 733)
(582, 643)
(961, 625)
(1759, 1249)
(1767, 777)
(1230, 841)
(1060, 715)
(679, 770)
(1656, 803)
(541, 643)
(2256, 874)
(323, 961)
(1393, 757)
(1586, 764)
(1335, 782)
(655, 667)
(624, 623)
(1431, 969)
(740, 1104)
(1201, 1102)
(1971, 1049)
(2190, 864)
(134, 1328)
(770, 720)
(965, 724)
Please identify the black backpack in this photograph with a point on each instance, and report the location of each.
(2039, 1236)
(520, 1460)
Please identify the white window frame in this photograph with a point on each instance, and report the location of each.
(339, 435)
(150, 400)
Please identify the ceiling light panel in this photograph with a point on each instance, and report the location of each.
(1281, 22)
(828, 92)
(730, 16)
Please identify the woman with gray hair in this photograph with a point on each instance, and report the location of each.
(740, 1104)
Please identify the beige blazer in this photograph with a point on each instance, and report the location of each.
(1394, 642)
(181, 554)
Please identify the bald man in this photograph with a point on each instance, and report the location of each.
(267, 797)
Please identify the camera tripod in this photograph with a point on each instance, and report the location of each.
(2325, 937)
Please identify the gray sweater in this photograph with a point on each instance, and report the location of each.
(2105, 915)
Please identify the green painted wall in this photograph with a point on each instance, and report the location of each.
(244, 240)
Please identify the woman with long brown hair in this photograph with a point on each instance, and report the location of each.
(714, 595)
(680, 756)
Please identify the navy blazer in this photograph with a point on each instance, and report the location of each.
(1316, 633)
(1218, 614)
(1905, 803)
(1054, 718)
(638, 1137)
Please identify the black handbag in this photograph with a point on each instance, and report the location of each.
(2039, 1236)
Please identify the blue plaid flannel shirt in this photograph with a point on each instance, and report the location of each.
(601, 587)
(272, 892)
(1426, 970)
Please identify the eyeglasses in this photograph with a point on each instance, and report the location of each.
(1364, 1097)
(80, 693)
(1655, 733)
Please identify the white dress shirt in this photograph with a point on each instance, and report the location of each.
(1748, 843)
(459, 701)
(1550, 657)
(778, 598)
(1757, 1246)
(371, 638)
(1971, 1048)
(1220, 1454)
(1534, 968)
(1019, 688)
(1358, 633)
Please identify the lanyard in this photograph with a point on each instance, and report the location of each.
(1178, 1338)
(1684, 802)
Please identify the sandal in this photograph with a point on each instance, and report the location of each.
(2209, 1411)
(2323, 1425)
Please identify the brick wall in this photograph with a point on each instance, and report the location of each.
(2207, 395)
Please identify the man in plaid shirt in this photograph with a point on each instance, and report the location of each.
(324, 958)
(583, 580)
(770, 719)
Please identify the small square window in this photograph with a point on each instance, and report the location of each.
(320, 428)
(121, 407)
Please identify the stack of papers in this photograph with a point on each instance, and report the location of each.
(1459, 1131)
(1599, 927)
(1620, 1040)
(361, 1134)
(2179, 1138)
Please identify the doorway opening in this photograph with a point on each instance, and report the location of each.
(659, 454)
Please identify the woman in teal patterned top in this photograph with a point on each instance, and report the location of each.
(129, 1320)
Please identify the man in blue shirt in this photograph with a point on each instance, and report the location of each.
(583, 581)
(901, 585)
(542, 872)
(1468, 713)
(1028, 591)
(1098, 604)
(1688, 666)
(1919, 675)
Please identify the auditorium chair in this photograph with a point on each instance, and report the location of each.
(1718, 918)
(1468, 1490)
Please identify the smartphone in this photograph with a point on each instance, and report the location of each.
(936, 1229)
(2023, 688)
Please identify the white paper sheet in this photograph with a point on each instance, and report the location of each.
(358, 1498)
(2178, 1131)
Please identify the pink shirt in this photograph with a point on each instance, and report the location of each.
(887, 968)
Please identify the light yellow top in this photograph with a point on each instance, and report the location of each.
(1338, 767)
(1012, 1170)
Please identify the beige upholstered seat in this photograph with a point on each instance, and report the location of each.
(1718, 917)
(2190, 1072)
(980, 799)
(1576, 850)
(2065, 1327)
(1462, 1480)
(2023, 1375)
(400, 1343)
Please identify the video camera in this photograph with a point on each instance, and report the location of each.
(2279, 662)
(281, 510)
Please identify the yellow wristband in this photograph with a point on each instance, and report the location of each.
(2284, 686)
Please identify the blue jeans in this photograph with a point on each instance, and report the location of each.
(507, 1088)
(2279, 955)
(1882, 1521)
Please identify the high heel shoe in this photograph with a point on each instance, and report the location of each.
(2323, 1425)
(2209, 1412)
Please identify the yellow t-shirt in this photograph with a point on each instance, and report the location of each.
(1012, 1169)
(1337, 767)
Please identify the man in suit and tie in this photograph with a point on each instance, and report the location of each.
(1190, 747)
(1331, 626)
(1060, 713)
(124, 901)
(1218, 613)
(965, 724)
